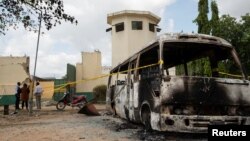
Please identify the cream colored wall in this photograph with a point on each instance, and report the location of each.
(126, 43)
(91, 64)
(12, 70)
(119, 41)
(105, 71)
(138, 39)
(7, 89)
(89, 68)
(11, 74)
(48, 87)
(7, 60)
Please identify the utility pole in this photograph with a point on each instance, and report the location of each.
(37, 47)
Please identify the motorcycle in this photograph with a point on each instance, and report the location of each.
(73, 101)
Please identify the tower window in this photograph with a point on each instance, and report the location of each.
(119, 27)
(151, 27)
(136, 25)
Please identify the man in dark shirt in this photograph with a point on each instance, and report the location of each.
(17, 94)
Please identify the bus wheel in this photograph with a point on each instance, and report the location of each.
(146, 118)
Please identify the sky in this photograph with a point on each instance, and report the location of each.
(64, 43)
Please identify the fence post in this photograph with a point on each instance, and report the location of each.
(6, 110)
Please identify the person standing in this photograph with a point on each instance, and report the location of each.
(17, 95)
(25, 95)
(38, 93)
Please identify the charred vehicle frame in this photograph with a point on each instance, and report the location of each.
(186, 102)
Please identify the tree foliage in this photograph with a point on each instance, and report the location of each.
(27, 12)
(100, 93)
(215, 18)
(245, 42)
(201, 66)
(238, 34)
(202, 18)
(227, 27)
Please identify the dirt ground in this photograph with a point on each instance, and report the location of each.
(49, 124)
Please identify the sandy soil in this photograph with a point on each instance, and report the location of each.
(52, 125)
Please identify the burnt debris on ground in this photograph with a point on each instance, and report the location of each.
(126, 126)
(89, 109)
(139, 133)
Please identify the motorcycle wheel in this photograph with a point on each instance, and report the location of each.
(60, 105)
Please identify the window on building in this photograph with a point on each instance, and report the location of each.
(119, 27)
(151, 27)
(136, 25)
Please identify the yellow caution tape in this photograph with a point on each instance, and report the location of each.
(232, 75)
(107, 75)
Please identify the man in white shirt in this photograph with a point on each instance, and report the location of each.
(38, 92)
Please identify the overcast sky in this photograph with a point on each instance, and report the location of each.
(64, 43)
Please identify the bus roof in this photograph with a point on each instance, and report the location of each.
(182, 37)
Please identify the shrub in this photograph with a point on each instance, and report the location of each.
(99, 93)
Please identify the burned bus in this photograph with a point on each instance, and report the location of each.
(142, 90)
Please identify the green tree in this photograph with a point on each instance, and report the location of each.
(244, 47)
(99, 93)
(26, 12)
(238, 34)
(230, 30)
(214, 22)
(202, 18)
(201, 66)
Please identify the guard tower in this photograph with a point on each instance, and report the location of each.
(131, 30)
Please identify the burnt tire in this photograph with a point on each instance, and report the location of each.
(146, 118)
(60, 105)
